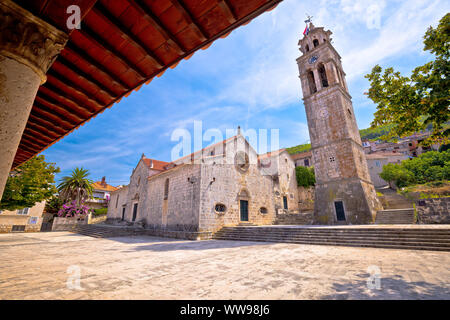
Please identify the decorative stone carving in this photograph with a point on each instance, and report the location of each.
(28, 39)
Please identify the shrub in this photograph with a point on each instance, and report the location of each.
(72, 210)
(99, 212)
(305, 176)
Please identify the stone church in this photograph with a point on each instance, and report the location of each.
(225, 184)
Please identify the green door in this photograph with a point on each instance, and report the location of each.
(244, 210)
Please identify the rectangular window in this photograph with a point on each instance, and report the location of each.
(33, 220)
(17, 228)
(306, 162)
(123, 213)
(23, 211)
(117, 200)
(285, 202)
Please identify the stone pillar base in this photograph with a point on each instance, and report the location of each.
(359, 199)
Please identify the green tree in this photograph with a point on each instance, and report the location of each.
(396, 173)
(428, 167)
(305, 176)
(53, 205)
(76, 187)
(28, 184)
(411, 104)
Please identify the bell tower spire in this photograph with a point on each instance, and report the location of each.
(344, 192)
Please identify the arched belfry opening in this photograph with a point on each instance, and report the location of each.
(312, 82)
(307, 48)
(316, 43)
(323, 75)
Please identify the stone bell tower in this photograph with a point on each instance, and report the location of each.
(344, 192)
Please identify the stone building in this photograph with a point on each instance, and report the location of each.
(101, 193)
(224, 184)
(25, 220)
(344, 192)
(302, 159)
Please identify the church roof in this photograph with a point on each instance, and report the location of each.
(155, 164)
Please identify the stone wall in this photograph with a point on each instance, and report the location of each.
(433, 211)
(117, 203)
(305, 198)
(181, 208)
(67, 224)
(32, 221)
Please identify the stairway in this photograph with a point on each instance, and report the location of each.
(393, 200)
(376, 237)
(395, 216)
(97, 231)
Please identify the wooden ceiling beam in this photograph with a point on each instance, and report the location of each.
(73, 50)
(180, 6)
(49, 116)
(52, 104)
(79, 105)
(73, 87)
(55, 114)
(42, 130)
(103, 12)
(30, 145)
(228, 11)
(34, 138)
(154, 21)
(97, 40)
(86, 77)
(46, 124)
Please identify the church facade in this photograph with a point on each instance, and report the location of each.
(225, 184)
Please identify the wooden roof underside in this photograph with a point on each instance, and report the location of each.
(121, 45)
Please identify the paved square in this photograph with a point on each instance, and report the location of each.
(37, 266)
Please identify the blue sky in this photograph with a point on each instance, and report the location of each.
(250, 79)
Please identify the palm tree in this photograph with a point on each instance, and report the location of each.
(76, 187)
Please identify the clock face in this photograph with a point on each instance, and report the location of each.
(313, 59)
(323, 113)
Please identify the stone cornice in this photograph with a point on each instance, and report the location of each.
(28, 39)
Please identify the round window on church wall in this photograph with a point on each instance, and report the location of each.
(263, 210)
(220, 208)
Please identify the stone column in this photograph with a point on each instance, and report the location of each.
(28, 47)
(317, 79)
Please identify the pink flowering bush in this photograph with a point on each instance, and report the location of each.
(72, 210)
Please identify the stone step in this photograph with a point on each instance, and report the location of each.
(399, 238)
(343, 230)
(349, 244)
(337, 235)
(338, 238)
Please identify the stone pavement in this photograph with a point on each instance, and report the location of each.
(38, 265)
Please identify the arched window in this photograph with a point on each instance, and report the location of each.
(307, 48)
(312, 83)
(323, 76)
(315, 42)
(166, 189)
